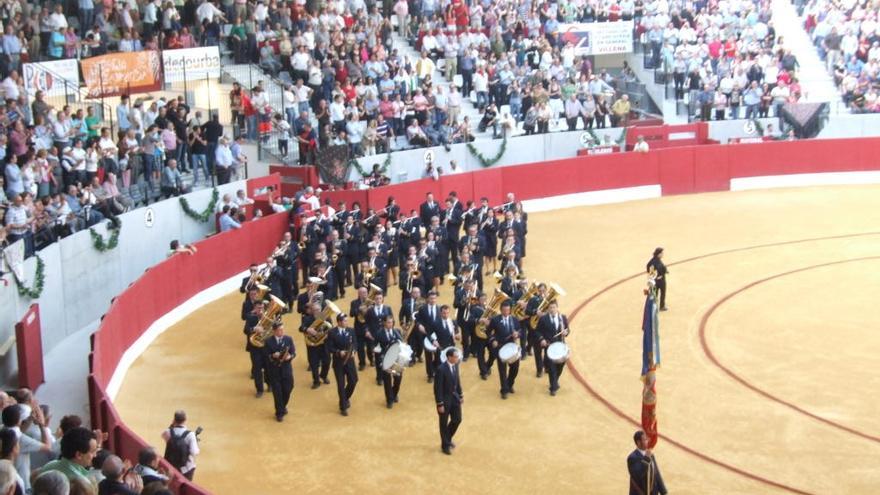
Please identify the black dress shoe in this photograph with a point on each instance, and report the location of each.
(316, 385)
(539, 374)
(259, 394)
(343, 412)
(504, 395)
(447, 451)
(430, 379)
(326, 381)
(279, 418)
(396, 399)
(664, 308)
(389, 404)
(379, 382)
(361, 367)
(452, 444)
(484, 376)
(553, 392)
(512, 391)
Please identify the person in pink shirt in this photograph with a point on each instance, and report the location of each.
(169, 139)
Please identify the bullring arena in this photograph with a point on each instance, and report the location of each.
(767, 357)
(768, 348)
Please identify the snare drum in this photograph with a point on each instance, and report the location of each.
(558, 352)
(443, 353)
(391, 361)
(429, 345)
(509, 353)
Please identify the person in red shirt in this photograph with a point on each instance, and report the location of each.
(341, 72)
(730, 48)
(462, 17)
(349, 91)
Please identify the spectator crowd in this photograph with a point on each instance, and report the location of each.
(70, 460)
(847, 36)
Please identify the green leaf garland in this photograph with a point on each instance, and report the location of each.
(98, 241)
(205, 214)
(352, 162)
(35, 290)
(488, 162)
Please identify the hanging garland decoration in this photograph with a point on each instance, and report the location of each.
(205, 215)
(98, 241)
(595, 138)
(357, 166)
(35, 290)
(488, 162)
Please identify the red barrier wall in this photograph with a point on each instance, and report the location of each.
(161, 289)
(29, 346)
(679, 170)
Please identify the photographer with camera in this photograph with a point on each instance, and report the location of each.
(181, 445)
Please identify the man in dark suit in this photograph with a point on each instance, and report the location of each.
(445, 334)
(428, 209)
(375, 322)
(407, 314)
(247, 307)
(644, 473)
(319, 360)
(361, 331)
(378, 264)
(552, 327)
(533, 306)
(287, 262)
(465, 295)
(244, 282)
(387, 336)
(428, 321)
(449, 398)
(279, 351)
(304, 300)
(505, 329)
(257, 360)
(340, 345)
(659, 268)
(479, 345)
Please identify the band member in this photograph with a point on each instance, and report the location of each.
(468, 269)
(258, 365)
(488, 229)
(408, 315)
(279, 351)
(304, 300)
(511, 285)
(359, 307)
(319, 359)
(454, 218)
(428, 320)
(247, 307)
(552, 327)
(521, 222)
(322, 269)
(338, 248)
(410, 278)
(533, 308)
(505, 329)
(465, 297)
(427, 256)
(378, 266)
(275, 278)
(285, 256)
(446, 333)
(428, 209)
(351, 234)
(441, 245)
(375, 322)
(449, 398)
(480, 345)
(340, 345)
(644, 473)
(386, 336)
(245, 281)
(474, 243)
(657, 266)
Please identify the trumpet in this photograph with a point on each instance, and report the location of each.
(281, 250)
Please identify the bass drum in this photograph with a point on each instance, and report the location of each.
(509, 353)
(396, 358)
(558, 352)
(443, 353)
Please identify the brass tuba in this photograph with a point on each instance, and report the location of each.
(322, 325)
(411, 324)
(263, 330)
(553, 293)
(492, 309)
(520, 312)
(262, 291)
(375, 290)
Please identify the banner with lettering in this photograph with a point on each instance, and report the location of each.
(122, 73)
(52, 77)
(191, 64)
(598, 38)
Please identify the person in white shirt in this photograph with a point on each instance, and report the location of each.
(13, 416)
(641, 145)
(241, 198)
(224, 161)
(177, 429)
(311, 198)
(57, 19)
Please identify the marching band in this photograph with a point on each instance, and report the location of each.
(475, 252)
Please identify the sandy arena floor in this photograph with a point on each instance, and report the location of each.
(767, 383)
